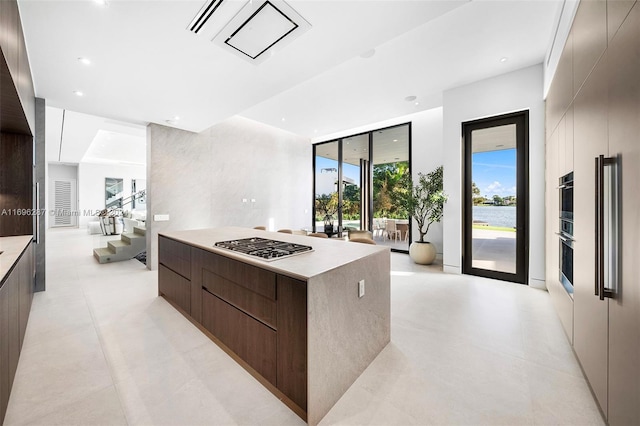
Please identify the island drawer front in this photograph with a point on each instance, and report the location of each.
(175, 256)
(251, 340)
(252, 278)
(254, 304)
(175, 288)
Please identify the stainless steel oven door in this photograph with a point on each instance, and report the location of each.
(566, 262)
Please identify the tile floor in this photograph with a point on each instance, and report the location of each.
(102, 349)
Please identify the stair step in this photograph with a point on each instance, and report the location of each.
(129, 236)
(103, 255)
(140, 230)
(117, 244)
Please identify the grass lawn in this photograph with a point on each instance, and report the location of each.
(494, 228)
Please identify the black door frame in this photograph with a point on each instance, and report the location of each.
(521, 120)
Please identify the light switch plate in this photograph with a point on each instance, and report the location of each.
(160, 217)
(361, 288)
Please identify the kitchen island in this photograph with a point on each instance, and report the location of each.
(300, 324)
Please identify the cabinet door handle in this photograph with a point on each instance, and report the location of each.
(597, 229)
(601, 226)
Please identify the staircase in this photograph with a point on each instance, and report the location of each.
(129, 246)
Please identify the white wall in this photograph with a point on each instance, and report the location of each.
(91, 189)
(201, 179)
(426, 151)
(515, 91)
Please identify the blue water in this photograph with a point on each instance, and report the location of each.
(496, 215)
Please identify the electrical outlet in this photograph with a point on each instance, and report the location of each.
(361, 288)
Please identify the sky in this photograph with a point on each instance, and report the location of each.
(494, 172)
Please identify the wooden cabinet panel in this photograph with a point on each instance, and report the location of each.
(9, 16)
(254, 304)
(4, 351)
(24, 272)
(292, 339)
(252, 278)
(24, 81)
(198, 257)
(251, 340)
(175, 256)
(13, 324)
(174, 287)
(15, 302)
(568, 141)
(561, 300)
(562, 135)
(590, 313)
(561, 90)
(624, 310)
(16, 154)
(617, 11)
(589, 39)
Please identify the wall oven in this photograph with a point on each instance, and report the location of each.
(566, 232)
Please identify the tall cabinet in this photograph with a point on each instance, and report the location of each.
(596, 93)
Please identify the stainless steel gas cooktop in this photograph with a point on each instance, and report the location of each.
(264, 248)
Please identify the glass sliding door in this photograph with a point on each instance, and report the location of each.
(356, 180)
(391, 148)
(327, 176)
(355, 162)
(496, 197)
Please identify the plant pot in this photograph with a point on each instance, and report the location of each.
(422, 253)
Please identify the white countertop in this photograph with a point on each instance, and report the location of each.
(12, 248)
(327, 253)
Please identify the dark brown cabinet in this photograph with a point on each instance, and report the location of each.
(251, 340)
(16, 295)
(175, 287)
(174, 271)
(258, 315)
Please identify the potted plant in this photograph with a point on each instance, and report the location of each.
(327, 206)
(424, 202)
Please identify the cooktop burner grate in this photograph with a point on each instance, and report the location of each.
(264, 248)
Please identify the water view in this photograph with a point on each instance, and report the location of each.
(504, 216)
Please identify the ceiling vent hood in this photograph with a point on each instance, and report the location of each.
(261, 28)
(203, 15)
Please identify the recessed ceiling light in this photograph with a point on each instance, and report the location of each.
(78, 93)
(395, 140)
(417, 103)
(176, 118)
(397, 158)
(84, 61)
(504, 59)
(101, 2)
(283, 119)
(410, 98)
(368, 54)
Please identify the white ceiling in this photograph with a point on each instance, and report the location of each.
(74, 137)
(389, 146)
(147, 67)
